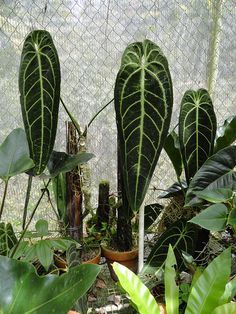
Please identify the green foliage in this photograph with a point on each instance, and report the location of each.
(61, 162)
(39, 85)
(171, 289)
(42, 249)
(175, 189)
(14, 155)
(137, 291)
(23, 291)
(216, 173)
(206, 293)
(210, 291)
(213, 218)
(197, 129)
(172, 149)
(143, 105)
(7, 238)
(151, 213)
(226, 134)
(181, 235)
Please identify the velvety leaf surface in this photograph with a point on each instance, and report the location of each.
(226, 134)
(217, 172)
(206, 292)
(174, 190)
(151, 213)
(14, 155)
(181, 235)
(7, 238)
(22, 291)
(197, 129)
(143, 106)
(139, 294)
(172, 149)
(39, 85)
(61, 162)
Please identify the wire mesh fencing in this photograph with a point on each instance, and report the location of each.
(197, 36)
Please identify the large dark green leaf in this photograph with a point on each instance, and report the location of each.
(197, 129)
(7, 238)
(175, 189)
(182, 236)
(143, 105)
(39, 85)
(217, 172)
(206, 292)
(151, 213)
(23, 291)
(226, 134)
(61, 162)
(172, 149)
(14, 155)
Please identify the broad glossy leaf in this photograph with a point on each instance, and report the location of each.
(214, 218)
(143, 105)
(216, 195)
(151, 213)
(197, 129)
(172, 149)
(59, 191)
(61, 162)
(7, 238)
(226, 134)
(23, 291)
(206, 292)
(182, 236)
(41, 227)
(14, 155)
(139, 294)
(174, 190)
(229, 308)
(217, 172)
(171, 289)
(39, 85)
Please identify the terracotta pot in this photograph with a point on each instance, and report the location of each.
(128, 259)
(61, 263)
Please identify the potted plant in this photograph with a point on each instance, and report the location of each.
(143, 106)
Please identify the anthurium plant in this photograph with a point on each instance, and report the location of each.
(143, 106)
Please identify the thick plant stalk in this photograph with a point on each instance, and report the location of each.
(215, 45)
(74, 194)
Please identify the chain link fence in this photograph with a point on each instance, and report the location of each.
(197, 36)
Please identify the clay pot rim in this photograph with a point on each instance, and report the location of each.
(117, 255)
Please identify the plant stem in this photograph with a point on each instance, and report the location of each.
(30, 179)
(95, 116)
(4, 197)
(73, 120)
(30, 219)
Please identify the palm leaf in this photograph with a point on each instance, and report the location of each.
(143, 105)
(197, 129)
(39, 85)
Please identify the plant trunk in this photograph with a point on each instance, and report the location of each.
(103, 204)
(124, 228)
(74, 194)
